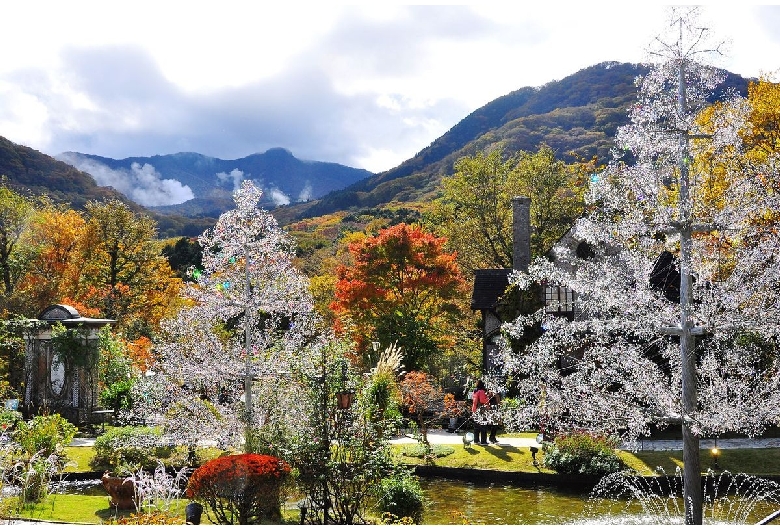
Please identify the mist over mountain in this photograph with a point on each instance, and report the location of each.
(193, 184)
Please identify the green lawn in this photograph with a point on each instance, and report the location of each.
(750, 461)
(94, 508)
(72, 508)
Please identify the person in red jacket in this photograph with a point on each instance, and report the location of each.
(479, 407)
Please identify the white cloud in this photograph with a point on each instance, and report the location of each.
(366, 86)
(235, 177)
(140, 183)
(278, 196)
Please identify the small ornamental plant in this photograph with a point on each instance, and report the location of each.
(582, 453)
(240, 489)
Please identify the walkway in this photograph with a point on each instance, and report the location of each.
(441, 436)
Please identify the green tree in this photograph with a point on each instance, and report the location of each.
(182, 255)
(124, 274)
(475, 211)
(15, 212)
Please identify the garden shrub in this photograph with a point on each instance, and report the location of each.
(156, 492)
(582, 453)
(127, 449)
(240, 489)
(423, 451)
(46, 435)
(9, 419)
(35, 454)
(118, 395)
(400, 499)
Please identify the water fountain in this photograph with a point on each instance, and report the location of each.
(618, 499)
(728, 499)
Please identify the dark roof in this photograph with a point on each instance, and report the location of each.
(489, 286)
(59, 312)
(68, 316)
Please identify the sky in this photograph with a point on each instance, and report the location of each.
(363, 85)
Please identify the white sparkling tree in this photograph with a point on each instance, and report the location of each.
(677, 316)
(228, 357)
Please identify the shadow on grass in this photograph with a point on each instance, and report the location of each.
(505, 453)
(109, 513)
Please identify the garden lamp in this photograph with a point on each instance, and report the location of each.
(715, 453)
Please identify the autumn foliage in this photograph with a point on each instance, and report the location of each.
(403, 288)
(423, 398)
(240, 489)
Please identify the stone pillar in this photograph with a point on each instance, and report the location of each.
(521, 233)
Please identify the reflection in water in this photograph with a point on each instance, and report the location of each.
(747, 500)
(457, 502)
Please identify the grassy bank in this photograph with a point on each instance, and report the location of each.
(764, 462)
(504, 458)
(94, 508)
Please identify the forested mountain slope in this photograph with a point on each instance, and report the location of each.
(576, 116)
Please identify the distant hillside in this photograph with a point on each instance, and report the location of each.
(32, 173)
(209, 182)
(577, 116)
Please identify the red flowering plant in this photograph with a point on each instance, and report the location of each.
(240, 489)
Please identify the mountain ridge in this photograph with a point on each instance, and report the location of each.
(577, 116)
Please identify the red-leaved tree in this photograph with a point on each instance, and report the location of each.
(424, 399)
(402, 288)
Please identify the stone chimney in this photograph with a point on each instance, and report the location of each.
(521, 233)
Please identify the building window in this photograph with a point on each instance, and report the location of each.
(558, 299)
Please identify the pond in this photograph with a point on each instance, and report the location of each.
(458, 502)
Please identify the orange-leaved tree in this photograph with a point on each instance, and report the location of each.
(402, 288)
(424, 400)
(52, 269)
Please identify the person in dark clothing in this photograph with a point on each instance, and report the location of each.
(494, 399)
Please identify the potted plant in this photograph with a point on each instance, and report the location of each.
(121, 490)
(453, 410)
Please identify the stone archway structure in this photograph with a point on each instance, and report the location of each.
(61, 376)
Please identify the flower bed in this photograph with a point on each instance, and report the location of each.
(240, 489)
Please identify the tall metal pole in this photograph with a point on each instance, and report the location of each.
(692, 491)
(325, 439)
(248, 435)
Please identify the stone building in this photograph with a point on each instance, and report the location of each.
(61, 364)
(491, 284)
